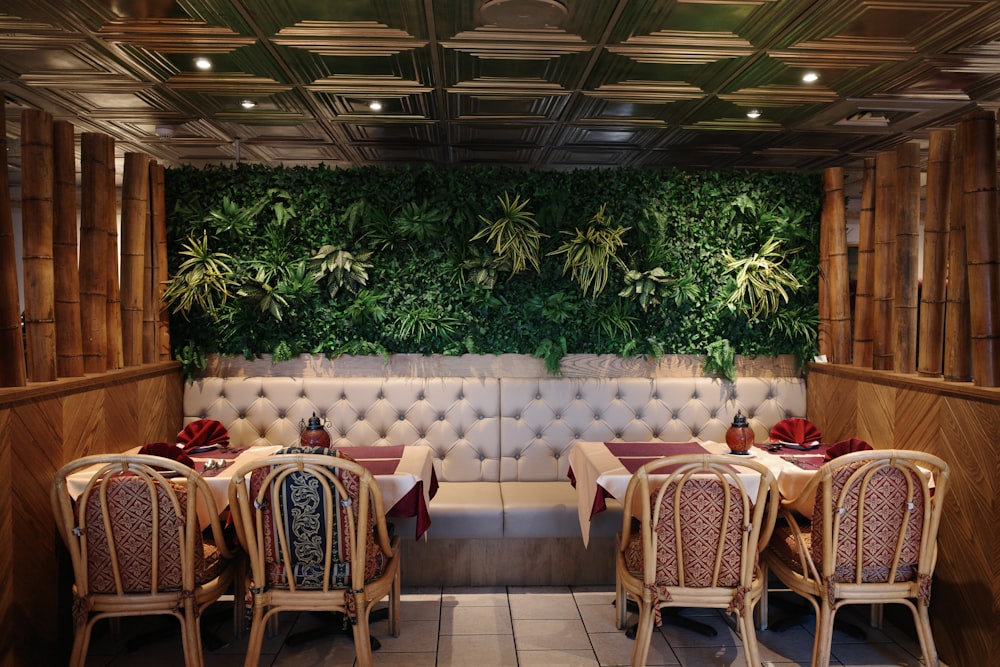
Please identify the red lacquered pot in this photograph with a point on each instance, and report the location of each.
(740, 437)
(314, 434)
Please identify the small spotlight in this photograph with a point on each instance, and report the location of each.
(753, 113)
(375, 105)
(203, 63)
(810, 77)
(248, 104)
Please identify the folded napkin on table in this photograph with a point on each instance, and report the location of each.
(203, 433)
(796, 430)
(846, 447)
(167, 451)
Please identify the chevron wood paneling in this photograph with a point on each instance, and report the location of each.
(959, 423)
(42, 427)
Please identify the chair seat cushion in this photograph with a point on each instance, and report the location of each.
(549, 509)
(466, 510)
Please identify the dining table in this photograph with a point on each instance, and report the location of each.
(404, 475)
(600, 470)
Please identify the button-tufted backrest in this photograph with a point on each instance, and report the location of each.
(541, 418)
(490, 429)
(457, 417)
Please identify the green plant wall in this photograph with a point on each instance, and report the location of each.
(384, 260)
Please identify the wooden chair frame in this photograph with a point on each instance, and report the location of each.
(185, 603)
(268, 601)
(648, 488)
(817, 581)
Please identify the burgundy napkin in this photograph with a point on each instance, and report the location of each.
(846, 447)
(795, 429)
(167, 451)
(202, 433)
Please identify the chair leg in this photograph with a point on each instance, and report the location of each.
(876, 615)
(394, 605)
(748, 635)
(824, 634)
(761, 609)
(922, 621)
(256, 641)
(191, 636)
(621, 604)
(362, 637)
(81, 642)
(643, 634)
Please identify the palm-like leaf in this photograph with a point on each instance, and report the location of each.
(514, 236)
(341, 268)
(761, 281)
(591, 251)
(202, 280)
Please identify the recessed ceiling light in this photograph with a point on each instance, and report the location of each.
(810, 77)
(753, 113)
(203, 63)
(375, 105)
(248, 104)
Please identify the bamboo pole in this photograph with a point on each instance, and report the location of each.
(69, 336)
(158, 210)
(838, 283)
(93, 251)
(982, 243)
(906, 290)
(863, 307)
(957, 337)
(824, 333)
(37, 224)
(150, 313)
(932, 293)
(135, 211)
(12, 371)
(113, 310)
(884, 260)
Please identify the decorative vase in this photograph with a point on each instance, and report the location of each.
(740, 437)
(314, 434)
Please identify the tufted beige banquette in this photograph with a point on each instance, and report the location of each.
(500, 445)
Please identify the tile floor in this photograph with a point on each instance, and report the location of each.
(515, 626)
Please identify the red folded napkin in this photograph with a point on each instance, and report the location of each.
(795, 429)
(846, 447)
(167, 451)
(202, 433)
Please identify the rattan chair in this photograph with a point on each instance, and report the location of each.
(872, 539)
(314, 527)
(692, 539)
(136, 545)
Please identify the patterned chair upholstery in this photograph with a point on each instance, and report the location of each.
(711, 561)
(872, 539)
(314, 525)
(136, 545)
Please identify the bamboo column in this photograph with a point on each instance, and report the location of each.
(932, 295)
(824, 335)
(863, 306)
(135, 211)
(838, 292)
(158, 226)
(113, 310)
(12, 372)
(884, 260)
(957, 336)
(906, 290)
(94, 250)
(982, 242)
(69, 337)
(37, 223)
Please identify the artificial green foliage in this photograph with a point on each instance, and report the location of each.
(591, 251)
(513, 237)
(761, 282)
(379, 261)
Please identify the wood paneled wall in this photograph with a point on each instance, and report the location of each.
(43, 426)
(959, 423)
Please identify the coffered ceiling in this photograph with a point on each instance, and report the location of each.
(534, 83)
